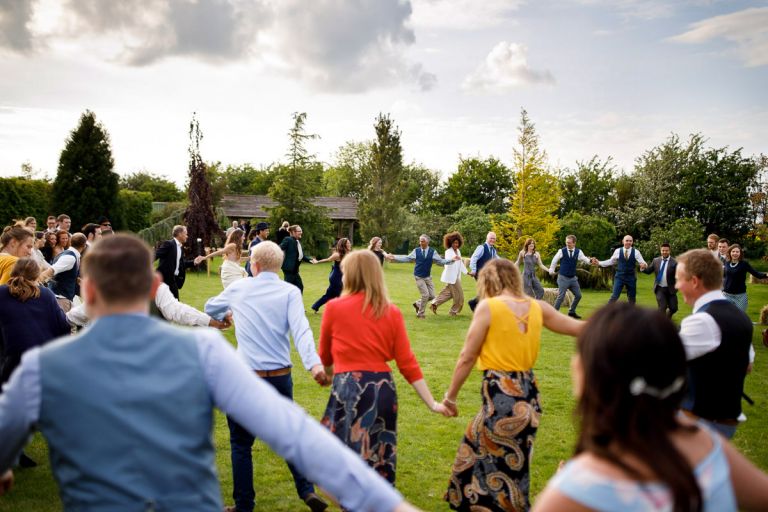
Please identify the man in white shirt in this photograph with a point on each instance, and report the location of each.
(569, 258)
(65, 271)
(625, 258)
(718, 343)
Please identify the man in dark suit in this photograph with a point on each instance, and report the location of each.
(172, 264)
(294, 255)
(664, 285)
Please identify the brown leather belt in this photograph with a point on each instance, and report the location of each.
(727, 422)
(274, 373)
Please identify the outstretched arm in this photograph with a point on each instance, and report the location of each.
(558, 322)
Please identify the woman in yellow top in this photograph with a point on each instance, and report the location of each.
(15, 242)
(491, 470)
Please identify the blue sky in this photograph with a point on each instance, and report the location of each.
(612, 78)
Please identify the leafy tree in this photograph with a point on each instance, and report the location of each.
(681, 235)
(421, 189)
(686, 179)
(86, 187)
(487, 183)
(199, 216)
(22, 197)
(295, 184)
(161, 188)
(589, 189)
(382, 194)
(351, 163)
(246, 179)
(473, 223)
(135, 209)
(536, 199)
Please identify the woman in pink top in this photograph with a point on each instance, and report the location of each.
(360, 332)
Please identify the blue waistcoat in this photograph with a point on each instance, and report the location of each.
(485, 258)
(568, 264)
(65, 283)
(626, 267)
(423, 266)
(127, 415)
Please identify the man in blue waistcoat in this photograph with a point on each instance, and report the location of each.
(482, 255)
(424, 256)
(625, 258)
(569, 258)
(133, 432)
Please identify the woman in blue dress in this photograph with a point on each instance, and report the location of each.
(343, 247)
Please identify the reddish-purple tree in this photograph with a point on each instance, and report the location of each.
(199, 216)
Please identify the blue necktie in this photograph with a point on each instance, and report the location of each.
(661, 271)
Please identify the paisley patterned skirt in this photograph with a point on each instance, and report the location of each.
(491, 470)
(362, 412)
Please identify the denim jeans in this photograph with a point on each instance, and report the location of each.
(241, 443)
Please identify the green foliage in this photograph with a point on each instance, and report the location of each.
(159, 187)
(589, 189)
(295, 184)
(21, 198)
(86, 187)
(351, 162)
(472, 222)
(383, 183)
(199, 217)
(681, 235)
(595, 235)
(421, 189)
(678, 180)
(134, 210)
(239, 179)
(487, 183)
(166, 211)
(414, 225)
(532, 212)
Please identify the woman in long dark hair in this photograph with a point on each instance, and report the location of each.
(635, 451)
(342, 248)
(735, 271)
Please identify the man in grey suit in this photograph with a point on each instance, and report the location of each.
(664, 267)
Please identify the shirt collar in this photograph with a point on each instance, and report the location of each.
(266, 274)
(708, 297)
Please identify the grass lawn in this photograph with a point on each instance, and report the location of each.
(426, 441)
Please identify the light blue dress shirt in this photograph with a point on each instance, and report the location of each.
(412, 257)
(265, 310)
(253, 403)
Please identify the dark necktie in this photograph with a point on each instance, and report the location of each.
(570, 253)
(661, 271)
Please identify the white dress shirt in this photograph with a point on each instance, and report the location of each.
(700, 332)
(614, 259)
(66, 262)
(172, 309)
(559, 254)
(178, 256)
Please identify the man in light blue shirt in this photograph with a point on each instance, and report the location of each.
(266, 310)
(126, 406)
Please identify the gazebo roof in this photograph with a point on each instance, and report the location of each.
(339, 208)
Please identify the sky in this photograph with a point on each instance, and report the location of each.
(611, 78)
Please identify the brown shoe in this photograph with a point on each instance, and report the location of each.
(433, 307)
(230, 508)
(315, 502)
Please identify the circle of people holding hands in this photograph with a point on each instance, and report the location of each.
(656, 405)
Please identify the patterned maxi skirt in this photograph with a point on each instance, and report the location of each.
(362, 412)
(740, 299)
(491, 470)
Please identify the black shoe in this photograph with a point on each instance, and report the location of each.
(416, 307)
(574, 315)
(26, 462)
(315, 502)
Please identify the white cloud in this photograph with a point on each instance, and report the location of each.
(506, 67)
(15, 16)
(747, 29)
(462, 14)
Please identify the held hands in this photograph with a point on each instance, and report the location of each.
(313, 261)
(450, 407)
(6, 482)
(390, 257)
(224, 323)
(199, 260)
(643, 266)
(593, 260)
(318, 373)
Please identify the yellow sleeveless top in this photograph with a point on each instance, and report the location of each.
(505, 347)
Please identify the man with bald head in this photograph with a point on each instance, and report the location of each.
(625, 258)
(482, 255)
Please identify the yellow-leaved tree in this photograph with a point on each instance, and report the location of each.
(533, 207)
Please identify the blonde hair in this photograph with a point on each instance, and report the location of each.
(499, 275)
(18, 233)
(373, 242)
(700, 263)
(362, 273)
(268, 255)
(23, 282)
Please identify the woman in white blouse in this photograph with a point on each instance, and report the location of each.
(452, 275)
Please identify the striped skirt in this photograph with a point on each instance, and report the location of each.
(740, 299)
(491, 470)
(362, 412)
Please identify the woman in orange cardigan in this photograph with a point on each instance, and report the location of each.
(360, 332)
